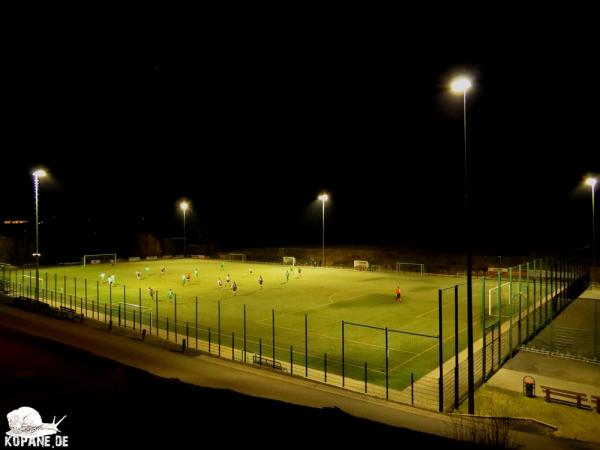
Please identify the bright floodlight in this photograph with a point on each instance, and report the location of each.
(460, 85)
(183, 206)
(591, 182)
(324, 197)
(39, 173)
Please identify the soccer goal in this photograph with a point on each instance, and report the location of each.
(101, 258)
(493, 297)
(415, 268)
(289, 260)
(375, 268)
(240, 257)
(361, 265)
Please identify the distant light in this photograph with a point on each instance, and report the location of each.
(41, 173)
(184, 206)
(591, 182)
(323, 197)
(14, 222)
(460, 85)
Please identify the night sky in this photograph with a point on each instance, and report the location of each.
(252, 127)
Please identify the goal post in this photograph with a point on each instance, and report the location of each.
(410, 267)
(100, 258)
(289, 260)
(240, 257)
(361, 264)
(493, 296)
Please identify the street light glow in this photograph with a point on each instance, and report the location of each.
(591, 182)
(460, 85)
(40, 173)
(184, 206)
(324, 197)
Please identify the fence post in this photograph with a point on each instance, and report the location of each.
(412, 389)
(510, 314)
(175, 317)
(306, 344)
(440, 355)
(233, 346)
(291, 360)
(273, 315)
(387, 366)
(124, 307)
(483, 330)
(365, 377)
(325, 365)
(343, 366)
(209, 340)
(456, 387)
(219, 326)
(156, 312)
(499, 319)
(245, 348)
(110, 300)
(196, 322)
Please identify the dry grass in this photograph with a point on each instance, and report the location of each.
(572, 423)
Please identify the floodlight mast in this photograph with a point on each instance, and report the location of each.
(40, 173)
(461, 85)
(592, 183)
(323, 198)
(184, 206)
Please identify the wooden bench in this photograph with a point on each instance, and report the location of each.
(578, 396)
(267, 362)
(68, 312)
(596, 400)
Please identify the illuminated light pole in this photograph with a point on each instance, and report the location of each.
(40, 173)
(323, 198)
(184, 206)
(460, 86)
(592, 182)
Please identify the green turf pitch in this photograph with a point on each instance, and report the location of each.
(325, 296)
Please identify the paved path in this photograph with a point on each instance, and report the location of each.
(551, 371)
(213, 372)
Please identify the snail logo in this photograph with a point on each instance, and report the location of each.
(27, 429)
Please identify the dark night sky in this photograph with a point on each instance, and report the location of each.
(251, 126)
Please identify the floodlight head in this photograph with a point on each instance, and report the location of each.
(40, 173)
(184, 206)
(323, 197)
(460, 85)
(591, 182)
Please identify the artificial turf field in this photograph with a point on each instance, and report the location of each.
(323, 296)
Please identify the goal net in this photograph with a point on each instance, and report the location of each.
(289, 260)
(361, 265)
(240, 257)
(416, 268)
(375, 268)
(102, 258)
(498, 293)
(31, 279)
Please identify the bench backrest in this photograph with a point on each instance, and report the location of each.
(563, 392)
